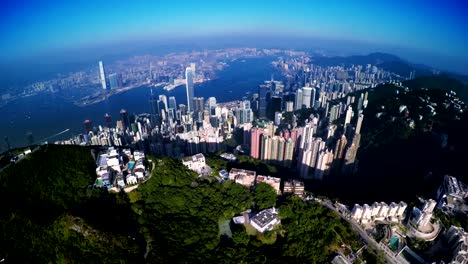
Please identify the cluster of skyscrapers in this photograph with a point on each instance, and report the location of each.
(315, 145)
(111, 81)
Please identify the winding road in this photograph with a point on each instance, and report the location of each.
(389, 255)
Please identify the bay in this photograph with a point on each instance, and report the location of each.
(47, 114)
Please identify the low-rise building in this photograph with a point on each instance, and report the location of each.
(244, 177)
(272, 181)
(195, 163)
(265, 220)
(228, 156)
(294, 186)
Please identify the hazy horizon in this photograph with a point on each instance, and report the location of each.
(431, 33)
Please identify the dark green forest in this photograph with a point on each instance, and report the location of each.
(405, 153)
(50, 214)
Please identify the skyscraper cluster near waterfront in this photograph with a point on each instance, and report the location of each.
(111, 81)
(307, 121)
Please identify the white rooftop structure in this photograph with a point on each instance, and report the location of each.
(265, 220)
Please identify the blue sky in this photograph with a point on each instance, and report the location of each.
(431, 27)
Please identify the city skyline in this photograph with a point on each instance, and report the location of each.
(433, 33)
(234, 132)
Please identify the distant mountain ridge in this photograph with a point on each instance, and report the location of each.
(387, 62)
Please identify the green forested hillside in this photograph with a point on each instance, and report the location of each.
(50, 215)
(45, 207)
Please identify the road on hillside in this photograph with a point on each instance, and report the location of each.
(367, 239)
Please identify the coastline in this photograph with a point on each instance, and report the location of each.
(104, 96)
(95, 99)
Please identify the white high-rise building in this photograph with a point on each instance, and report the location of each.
(278, 117)
(356, 213)
(289, 106)
(212, 102)
(376, 209)
(359, 123)
(189, 88)
(349, 114)
(298, 99)
(401, 208)
(306, 96)
(102, 75)
(393, 210)
(383, 210)
(312, 97)
(367, 212)
(163, 99)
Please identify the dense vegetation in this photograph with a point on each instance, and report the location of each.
(50, 215)
(407, 153)
(44, 216)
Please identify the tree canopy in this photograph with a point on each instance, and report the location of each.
(174, 217)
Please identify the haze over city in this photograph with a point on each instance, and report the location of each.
(429, 32)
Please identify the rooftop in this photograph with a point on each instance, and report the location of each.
(265, 217)
(241, 171)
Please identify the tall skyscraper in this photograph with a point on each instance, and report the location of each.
(125, 119)
(340, 147)
(349, 165)
(359, 123)
(298, 99)
(115, 81)
(262, 100)
(172, 102)
(349, 114)
(312, 97)
(163, 99)
(153, 102)
(193, 66)
(189, 88)
(212, 102)
(289, 106)
(288, 152)
(306, 96)
(255, 136)
(198, 104)
(102, 76)
(265, 147)
(274, 106)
